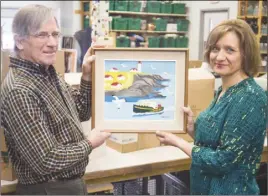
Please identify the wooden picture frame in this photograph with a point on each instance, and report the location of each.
(70, 60)
(67, 42)
(139, 90)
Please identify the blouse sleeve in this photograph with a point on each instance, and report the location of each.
(244, 128)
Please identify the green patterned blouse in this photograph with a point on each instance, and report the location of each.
(229, 139)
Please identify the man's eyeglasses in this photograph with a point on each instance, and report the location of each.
(45, 35)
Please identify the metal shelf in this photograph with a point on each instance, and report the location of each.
(146, 14)
(144, 31)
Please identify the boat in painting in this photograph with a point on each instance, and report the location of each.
(147, 107)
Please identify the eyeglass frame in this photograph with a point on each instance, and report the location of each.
(46, 35)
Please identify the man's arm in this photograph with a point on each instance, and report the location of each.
(27, 123)
(82, 98)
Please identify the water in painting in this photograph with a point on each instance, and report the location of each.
(139, 90)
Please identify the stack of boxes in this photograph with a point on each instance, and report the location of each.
(160, 23)
(7, 171)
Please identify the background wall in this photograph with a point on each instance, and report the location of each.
(71, 22)
(194, 11)
(9, 9)
(17, 4)
(56, 5)
(65, 11)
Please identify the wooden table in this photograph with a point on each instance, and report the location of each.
(107, 165)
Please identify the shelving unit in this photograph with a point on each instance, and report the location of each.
(255, 13)
(145, 31)
(94, 14)
(85, 13)
(146, 14)
(143, 13)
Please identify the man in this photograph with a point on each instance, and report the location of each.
(137, 39)
(41, 114)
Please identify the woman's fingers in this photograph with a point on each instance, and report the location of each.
(160, 134)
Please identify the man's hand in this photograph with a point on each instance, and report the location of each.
(88, 60)
(98, 138)
(87, 64)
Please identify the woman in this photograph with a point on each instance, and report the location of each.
(229, 134)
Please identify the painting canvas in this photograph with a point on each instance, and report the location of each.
(139, 90)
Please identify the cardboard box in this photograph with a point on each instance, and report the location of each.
(123, 142)
(3, 146)
(107, 41)
(59, 64)
(149, 140)
(128, 142)
(200, 94)
(200, 89)
(5, 61)
(7, 171)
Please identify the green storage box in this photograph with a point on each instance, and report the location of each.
(153, 6)
(178, 42)
(160, 24)
(121, 5)
(120, 23)
(169, 42)
(153, 42)
(161, 41)
(122, 41)
(86, 22)
(111, 5)
(250, 10)
(86, 6)
(182, 42)
(182, 25)
(178, 8)
(134, 6)
(134, 24)
(166, 7)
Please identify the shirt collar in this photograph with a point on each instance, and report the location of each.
(31, 67)
(238, 85)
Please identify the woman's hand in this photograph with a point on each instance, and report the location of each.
(190, 120)
(173, 140)
(168, 138)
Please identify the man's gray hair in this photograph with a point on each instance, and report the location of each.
(29, 19)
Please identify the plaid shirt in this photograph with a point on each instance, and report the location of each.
(41, 117)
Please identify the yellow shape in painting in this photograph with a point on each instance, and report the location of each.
(118, 80)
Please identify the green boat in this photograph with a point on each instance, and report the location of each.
(145, 106)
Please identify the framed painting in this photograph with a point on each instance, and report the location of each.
(139, 89)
